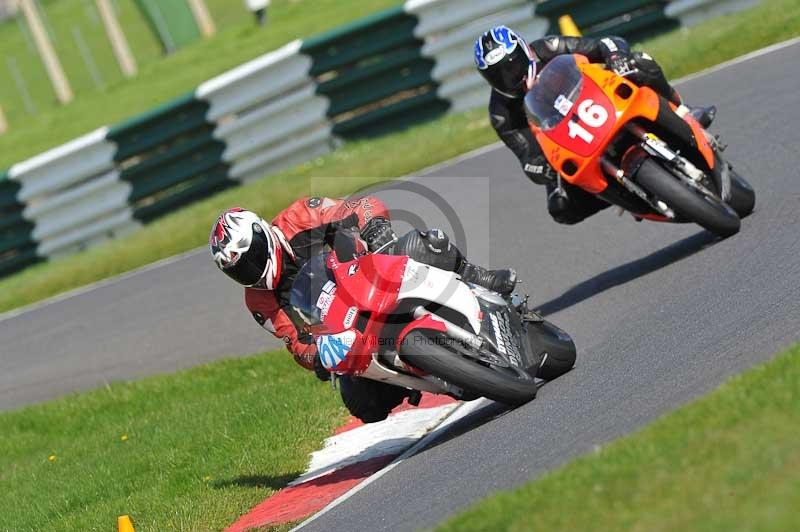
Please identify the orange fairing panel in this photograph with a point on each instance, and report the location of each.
(702, 142)
(574, 146)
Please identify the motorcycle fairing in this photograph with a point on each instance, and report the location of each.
(429, 322)
(628, 101)
(371, 282)
(442, 287)
(333, 349)
(562, 134)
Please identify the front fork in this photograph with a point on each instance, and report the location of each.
(684, 170)
(613, 170)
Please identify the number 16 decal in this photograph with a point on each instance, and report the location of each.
(591, 114)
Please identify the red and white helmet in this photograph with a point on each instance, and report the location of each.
(247, 249)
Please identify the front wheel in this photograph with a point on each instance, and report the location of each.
(710, 213)
(557, 349)
(743, 197)
(434, 353)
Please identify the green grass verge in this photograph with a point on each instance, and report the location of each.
(728, 461)
(680, 52)
(200, 448)
(159, 79)
(64, 19)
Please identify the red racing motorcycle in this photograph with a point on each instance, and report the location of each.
(395, 320)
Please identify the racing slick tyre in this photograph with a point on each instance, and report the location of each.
(438, 355)
(368, 400)
(710, 213)
(743, 197)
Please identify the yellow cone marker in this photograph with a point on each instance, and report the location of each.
(124, 524)
(568, 27)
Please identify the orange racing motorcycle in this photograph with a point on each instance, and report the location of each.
(629, 146)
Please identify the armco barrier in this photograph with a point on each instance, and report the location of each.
(17, 247)
(632, 19)
(449, 29)
(268, 113)
(374, 75)
(170, 157)
(73, 195)
(691, 12)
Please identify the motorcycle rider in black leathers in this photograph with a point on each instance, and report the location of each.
(510, 65)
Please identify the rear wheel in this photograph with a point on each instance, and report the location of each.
(743, 197)
(708, 212)
(431, 352)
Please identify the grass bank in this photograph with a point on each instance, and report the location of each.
(190, 451)
(728, 461)
(160, 78)
(680, 52)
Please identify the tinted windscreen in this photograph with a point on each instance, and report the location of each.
(313, 283)
(553, 94)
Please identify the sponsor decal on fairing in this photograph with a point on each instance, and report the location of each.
(333, 348)
(350, 317)
(326, 298)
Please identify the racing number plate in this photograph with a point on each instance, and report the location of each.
(588, 121)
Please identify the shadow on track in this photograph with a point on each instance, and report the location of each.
(628, 272)
(488, 411)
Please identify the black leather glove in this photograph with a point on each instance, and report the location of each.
(321, 371)
(622, 64)
(378, 234)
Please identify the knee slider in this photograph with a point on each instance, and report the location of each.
(437, 241)
(429, 247)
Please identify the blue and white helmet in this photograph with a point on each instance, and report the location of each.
(505, 60)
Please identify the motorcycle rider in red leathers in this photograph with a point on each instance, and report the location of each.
(510, 66)
(265, 258)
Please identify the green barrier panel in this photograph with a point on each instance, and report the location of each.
(634, 20)
(167, 155)
(16, 240)
(17, 248)
(391, 117)
(373, 63)
(171, 21)
(11, 219)
(198, 188)
(184, 162)
(22, 259)
(397, 71)
(152, 129)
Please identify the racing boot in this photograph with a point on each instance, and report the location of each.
(704, 115)
(500, 281)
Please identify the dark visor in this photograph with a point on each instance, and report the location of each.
(510, 78)
(250, 266)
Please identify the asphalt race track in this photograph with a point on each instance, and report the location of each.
(660, 314)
